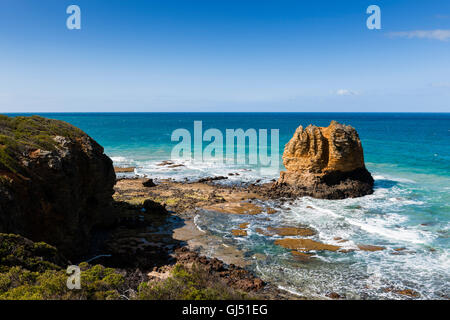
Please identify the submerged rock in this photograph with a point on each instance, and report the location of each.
(244, 208)
(239, 233)
(324, 163)
(292, 231)
(305, 245)
(244, 225)
(211, 179)
(56, 183)
(367, 247)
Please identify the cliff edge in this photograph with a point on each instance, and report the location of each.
(56, 183)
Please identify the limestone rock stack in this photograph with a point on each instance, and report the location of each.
(324, 163)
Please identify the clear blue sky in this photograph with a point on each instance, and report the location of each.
(224, 55)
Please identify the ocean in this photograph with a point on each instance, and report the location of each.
(407, 154)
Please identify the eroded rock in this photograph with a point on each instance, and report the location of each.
(324, 163)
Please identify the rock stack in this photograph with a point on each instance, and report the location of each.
(325, 163)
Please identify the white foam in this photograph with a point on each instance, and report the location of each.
(196, 224)
(290, 291)
(386, 225)
(398, 234)
(391, 178)
(119, 159)
(191, 171)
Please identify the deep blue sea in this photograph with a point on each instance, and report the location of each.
(408, 155)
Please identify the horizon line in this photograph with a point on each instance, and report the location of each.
(174, 112)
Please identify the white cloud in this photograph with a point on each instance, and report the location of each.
(438, 34)
(346, 92)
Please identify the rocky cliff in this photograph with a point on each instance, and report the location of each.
(324, 163)
(56, 183)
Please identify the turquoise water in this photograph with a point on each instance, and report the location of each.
(408, 155)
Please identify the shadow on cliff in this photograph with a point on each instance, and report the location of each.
(140, 239)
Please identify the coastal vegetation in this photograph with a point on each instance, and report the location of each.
(35, 271)
(18, 134)
(194, 283)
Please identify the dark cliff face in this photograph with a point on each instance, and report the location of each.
(56, 183)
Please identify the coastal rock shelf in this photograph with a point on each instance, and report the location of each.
(324, 163)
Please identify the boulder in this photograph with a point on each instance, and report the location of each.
(153, 207)
(149, 183)
(325, 163)
(56, 183)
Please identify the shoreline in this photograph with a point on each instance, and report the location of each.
(183, 229)
(189, 200)
(193, 239)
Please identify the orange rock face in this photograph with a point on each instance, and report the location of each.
(322, 150)
(326, 163)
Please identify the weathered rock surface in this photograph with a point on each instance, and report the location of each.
(324, 163)
(56, 183)
(234, 276)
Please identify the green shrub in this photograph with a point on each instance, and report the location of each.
(19, 251)
(189, 284)
(97, 283)
(100, 283)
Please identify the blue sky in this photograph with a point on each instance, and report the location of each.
(224, 55)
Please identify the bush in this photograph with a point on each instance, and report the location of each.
(35, 271)
(34, 256)
(97, 283)
(189, 284)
